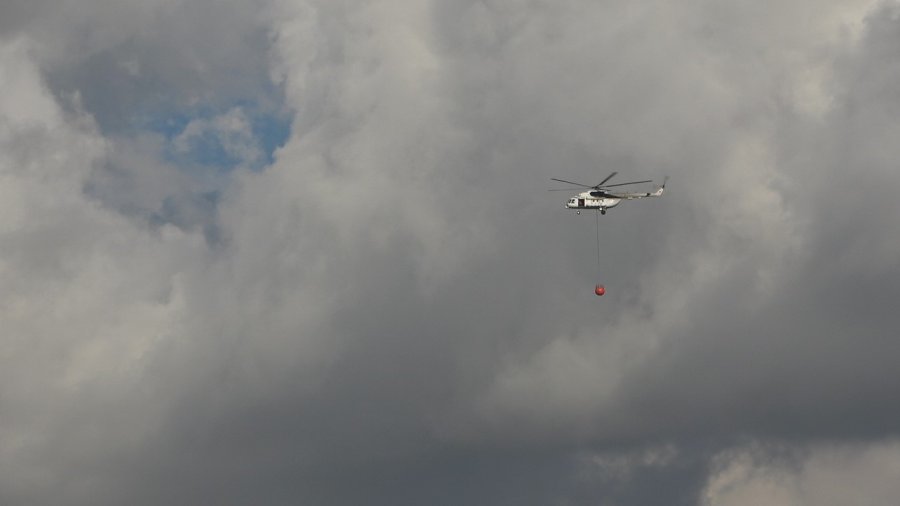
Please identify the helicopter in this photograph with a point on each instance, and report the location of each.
(598, 197)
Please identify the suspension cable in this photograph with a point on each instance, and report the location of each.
(597, 219)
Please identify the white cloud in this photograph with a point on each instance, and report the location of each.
(19, 79)
(829, 474)
(87, 296)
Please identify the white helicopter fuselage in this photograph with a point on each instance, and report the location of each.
(606, 200)
(585, 200)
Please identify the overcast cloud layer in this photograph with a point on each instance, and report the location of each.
(301, 252)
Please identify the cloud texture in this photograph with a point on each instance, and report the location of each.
(389, 308)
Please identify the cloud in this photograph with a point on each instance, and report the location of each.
(143, 57)
(87, 297)
(392, 300)
(830, 474)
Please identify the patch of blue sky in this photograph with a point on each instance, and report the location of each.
(241, 134)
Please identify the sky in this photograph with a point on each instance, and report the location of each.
(303, 252)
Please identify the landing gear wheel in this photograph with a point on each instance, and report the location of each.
(603, 211)
(577, 212)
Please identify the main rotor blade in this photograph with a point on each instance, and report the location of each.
(623, 184)
(566, 189)
(607, 179)
(570, 182)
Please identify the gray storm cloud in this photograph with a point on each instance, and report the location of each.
(395, 311)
